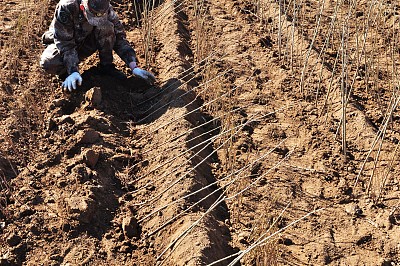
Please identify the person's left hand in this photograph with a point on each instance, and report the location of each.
(72, 81)
(141, 73)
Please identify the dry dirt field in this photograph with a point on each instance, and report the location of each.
(271, 138)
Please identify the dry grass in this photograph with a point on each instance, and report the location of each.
(20, 90)
(355, 43)
(148, 31)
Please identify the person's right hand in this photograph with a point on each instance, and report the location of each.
(141, 73)
(71, 81)
(146, 75)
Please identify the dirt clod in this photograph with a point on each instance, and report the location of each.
(353, 209)
(25, 211)
(88, 136)
(13, 240)
(81, 208)
(91, 157)
(93, 96)
(130, 227)
(364, 239)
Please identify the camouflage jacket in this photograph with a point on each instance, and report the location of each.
(70, 28)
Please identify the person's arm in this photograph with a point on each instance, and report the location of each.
(122, 47)
(125, 50)
(63, 24)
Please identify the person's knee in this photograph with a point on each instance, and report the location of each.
(47, 66)
(44, 64)
(51, 61)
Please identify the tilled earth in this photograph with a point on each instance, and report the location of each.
(227, 160)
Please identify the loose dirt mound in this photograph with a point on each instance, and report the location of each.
(239, 156)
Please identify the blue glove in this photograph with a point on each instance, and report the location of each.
(138, 72)
(71, 81)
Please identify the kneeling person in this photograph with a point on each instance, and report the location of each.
(80, 28)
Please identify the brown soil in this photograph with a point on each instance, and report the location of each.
(228, 160)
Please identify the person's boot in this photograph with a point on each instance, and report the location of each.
(111, 71)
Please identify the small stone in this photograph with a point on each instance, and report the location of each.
(364, 239)
(93, 96)
(130, 227)
(353, 209)
(91, 157)
(309, 108)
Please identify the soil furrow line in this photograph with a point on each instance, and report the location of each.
(209, 239)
